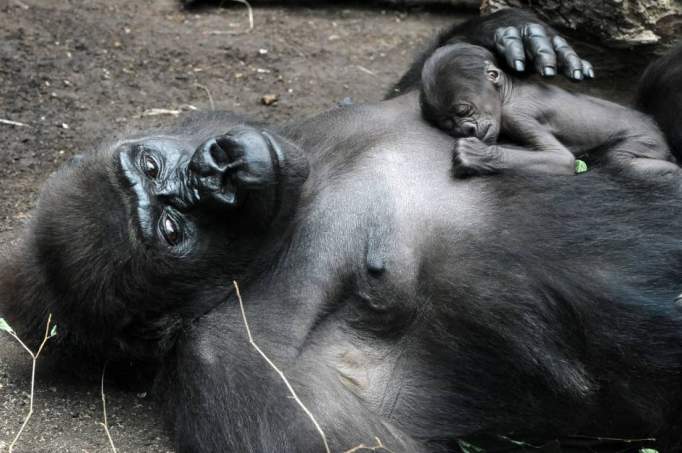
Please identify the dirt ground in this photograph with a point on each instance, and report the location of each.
(74, 72)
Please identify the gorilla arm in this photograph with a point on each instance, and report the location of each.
(226, 396)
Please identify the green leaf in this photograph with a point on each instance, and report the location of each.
(647, 450)
(580, 166)
(5, 327)
(466, 447)
(53, 331)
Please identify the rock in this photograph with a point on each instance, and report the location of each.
(455, 3)
(616, 23)
(269, 99)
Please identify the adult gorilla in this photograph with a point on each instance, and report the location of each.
(402, 304)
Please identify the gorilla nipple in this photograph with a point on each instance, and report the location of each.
(376, 265)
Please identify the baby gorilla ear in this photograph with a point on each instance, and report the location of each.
(493, 73)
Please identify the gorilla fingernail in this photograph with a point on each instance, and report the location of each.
(590, 73)
(577, 74)
(519, 66)
(548, 71)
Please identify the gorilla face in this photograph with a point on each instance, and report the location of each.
(137, 237)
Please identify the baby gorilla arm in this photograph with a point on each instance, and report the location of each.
(557, 125)
(473, 157)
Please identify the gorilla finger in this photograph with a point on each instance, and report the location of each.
(540, 49)
(509, 43)
(588, 70)
(568, 59)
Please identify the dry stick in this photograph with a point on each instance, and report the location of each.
(281, 375)
(365, 70)
(248, 7)
(12, 123)
(251, 23)
(366, 447)
(104, 411)
(20, 4)
(33, 375)
(208, 93)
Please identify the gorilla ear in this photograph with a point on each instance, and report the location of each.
(493, 73)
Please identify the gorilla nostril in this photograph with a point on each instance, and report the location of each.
(218, 154)
(469, 130)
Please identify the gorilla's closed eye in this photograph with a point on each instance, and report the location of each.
(170, 229)
(149, 166)
(463, 109)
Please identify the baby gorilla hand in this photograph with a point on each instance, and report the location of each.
(471, 157)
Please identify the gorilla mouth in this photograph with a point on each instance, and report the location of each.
(486, 134)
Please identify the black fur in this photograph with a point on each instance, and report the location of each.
(401, 304)
(660, 95)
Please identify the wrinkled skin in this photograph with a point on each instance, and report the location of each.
(402, 304)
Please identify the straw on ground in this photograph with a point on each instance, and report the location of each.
(49, 333)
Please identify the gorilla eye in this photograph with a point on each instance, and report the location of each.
(463, 110)
(149, 166)
(493, 74)
(170, 230)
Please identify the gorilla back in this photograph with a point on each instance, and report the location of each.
(400, 303)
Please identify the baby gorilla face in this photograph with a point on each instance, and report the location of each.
(461, 92)
(465, 110)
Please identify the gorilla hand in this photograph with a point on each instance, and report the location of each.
(545, 49)
(471, 157)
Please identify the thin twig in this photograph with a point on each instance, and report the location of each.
(34, 358)
(365, 70)
(13, 123)
(281, 374)
(104, 411)
(159, 112)
(208, 93)
(248, 7)
(611, 439)
(366, 447)
(239, 32)
(20, 4)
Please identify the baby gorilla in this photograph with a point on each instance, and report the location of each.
(464, 93)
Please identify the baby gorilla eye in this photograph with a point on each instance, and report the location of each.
(149, 166)
(170, 230)
(462, 110)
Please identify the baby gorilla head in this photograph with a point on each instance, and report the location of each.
(129, 242)
(461, 92)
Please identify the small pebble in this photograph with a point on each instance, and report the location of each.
(269, 99)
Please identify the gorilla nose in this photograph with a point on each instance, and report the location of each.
(209, 168)
(225, 167)
(469, 130)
